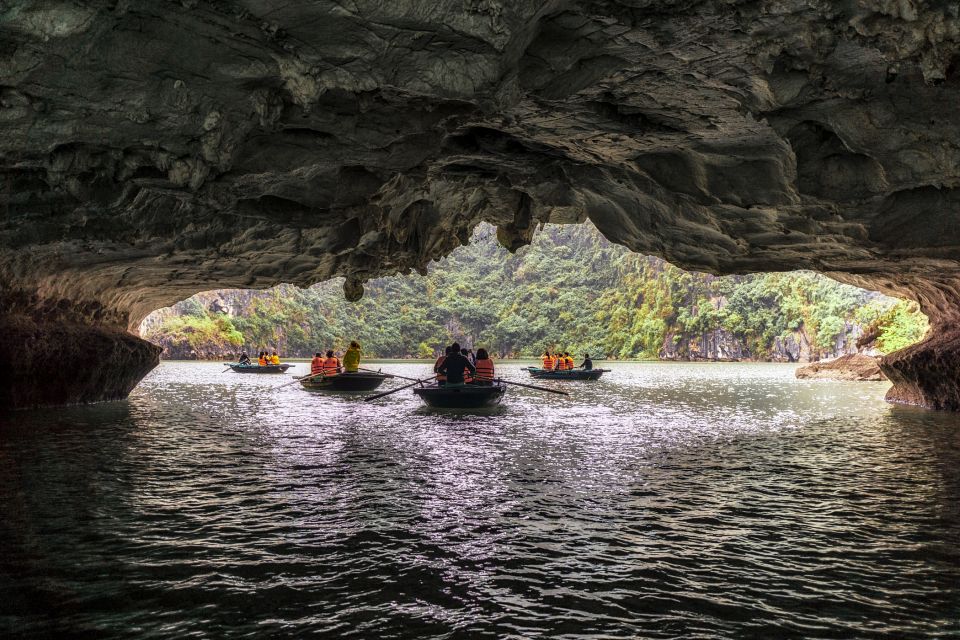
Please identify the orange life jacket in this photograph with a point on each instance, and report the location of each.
(547, 363)
(262, 361)
(466, 376)
(561, 363)
(440, 376)
(316, 366)
(484, 369)
(331, 366)
(570, 363)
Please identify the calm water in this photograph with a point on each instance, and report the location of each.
(664, 501)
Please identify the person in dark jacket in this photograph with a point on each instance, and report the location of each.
(454, 365)
(587, 362)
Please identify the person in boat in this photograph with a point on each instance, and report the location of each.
(472, 357)
(455, 365)
(547, 361)
(569, 361)
(467, 379)
(351, 359)
(274, 359)
(587, 362)
(262, 359)
(316, 365)
(484, 365)
(560, 364)
(244, 358)
(441, 378)
(331, 366)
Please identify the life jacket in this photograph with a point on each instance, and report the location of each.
(331, 366)
(441, 377)
(316, 366)
(561, 364)
(262, 361)
(570, 363)
(547, 363)
(485, 369)
(467, 379)
(351, 359)
(274, 359)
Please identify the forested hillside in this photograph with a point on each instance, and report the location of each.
(570, 289)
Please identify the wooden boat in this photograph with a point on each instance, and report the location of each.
(467, 396)
(359, 381)
(255, 368)
(569, 374)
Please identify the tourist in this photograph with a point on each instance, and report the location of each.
(262, 359)
(331, 366)
(244, 358)
(351, 359)
(569, 361)
(561, 363)
(471, 357)
(466, 374)
(484, 365)
(587, 362)
(316, 365)
(455, 365)
(441, 378)
(547, 361)
(274, 359)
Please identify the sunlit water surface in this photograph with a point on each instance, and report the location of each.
(664, 501)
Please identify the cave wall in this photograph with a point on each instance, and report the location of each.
(151, 149)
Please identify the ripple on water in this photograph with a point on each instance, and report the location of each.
(664, 501)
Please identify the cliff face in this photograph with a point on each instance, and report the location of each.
(154, 149)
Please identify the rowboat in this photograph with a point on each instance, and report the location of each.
(457, 396)
(569, 374)
(359, 381)
(255, 368)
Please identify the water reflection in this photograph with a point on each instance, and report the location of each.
(662, 501)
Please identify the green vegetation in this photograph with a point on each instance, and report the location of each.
(571, 289)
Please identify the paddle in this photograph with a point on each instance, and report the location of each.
(389, 375)
(532, 386)
(406, 386)
(296, 380)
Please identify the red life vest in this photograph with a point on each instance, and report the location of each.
(484, 369)
(547, 363)
(440, 376)
(561, 363)
(331, 366)
(316, 366)
(466, 376)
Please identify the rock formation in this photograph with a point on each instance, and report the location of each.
(855, 366)
(151, 149)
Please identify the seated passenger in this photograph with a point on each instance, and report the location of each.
(351, 359)
(454, 366)
(561, 364)
(274, 359)
(467, 379)
(441, 378)
(485, 370)
(331, 366)
(262, 359)
(547, 361)
(569, 361)
(316, 365)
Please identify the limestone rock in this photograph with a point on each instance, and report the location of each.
(151, 149)
(850, 367)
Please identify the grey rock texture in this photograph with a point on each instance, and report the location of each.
(151, 149)
(854, 366)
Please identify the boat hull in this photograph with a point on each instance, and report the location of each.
(467, 396)
(255, 368)
(345, 382)
(572, 374)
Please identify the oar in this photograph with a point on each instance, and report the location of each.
(296, 380)
(406, 386)
(227, 369)
(389, 375)
(532, 386)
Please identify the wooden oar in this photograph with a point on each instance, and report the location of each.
(296, 380)
(389, 375)
(406, 386)
(532, 386)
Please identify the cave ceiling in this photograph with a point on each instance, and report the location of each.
(151, 149)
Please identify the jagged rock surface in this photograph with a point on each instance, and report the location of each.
(151, 149)
(855, 366)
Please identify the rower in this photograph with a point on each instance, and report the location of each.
(547, 361)
(441, 378)
(274, 359)
(484, 366)
(587, 362)
(316, 365)
(244, 358)
(351, 359)
(331, 366)
(455, 365)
